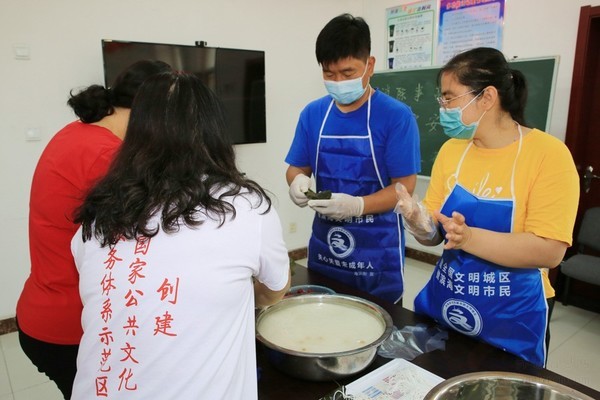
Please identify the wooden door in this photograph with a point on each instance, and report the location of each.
(583, 130)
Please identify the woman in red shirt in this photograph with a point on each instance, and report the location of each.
(49, 308)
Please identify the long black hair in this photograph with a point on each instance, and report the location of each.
(174, 159)
(481, 67)
(96, 102)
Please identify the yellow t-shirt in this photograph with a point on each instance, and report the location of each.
(546, 183)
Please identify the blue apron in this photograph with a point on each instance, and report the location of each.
(505, 307)
(365, 252)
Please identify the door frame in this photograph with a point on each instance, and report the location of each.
(580, 121)
(583, 125)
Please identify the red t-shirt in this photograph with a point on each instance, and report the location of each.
(49, 308)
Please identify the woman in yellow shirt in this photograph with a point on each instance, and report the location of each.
(504, 198)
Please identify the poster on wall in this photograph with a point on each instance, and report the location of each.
(465, 24)
(410, 38)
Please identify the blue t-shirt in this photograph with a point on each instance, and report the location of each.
(393, 127)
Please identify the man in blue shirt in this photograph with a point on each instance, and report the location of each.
(356, 142)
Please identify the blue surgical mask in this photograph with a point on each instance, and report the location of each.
(346, 92)
(451, 121)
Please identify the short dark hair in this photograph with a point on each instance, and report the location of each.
(176, 160)
(96, 102)
(344, 36)
(481, 67)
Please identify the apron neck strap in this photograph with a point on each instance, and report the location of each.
(325, 120)
(512, 177)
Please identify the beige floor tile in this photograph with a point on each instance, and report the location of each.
(5, 388)
(302, 262)
(578, 358)
(22, 373)
(566, 321)
(44, 391)
(416, 275)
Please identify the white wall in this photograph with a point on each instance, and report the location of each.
(64, 40)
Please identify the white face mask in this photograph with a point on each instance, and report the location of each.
(348, 91)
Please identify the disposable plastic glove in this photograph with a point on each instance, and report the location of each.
(300, 185)
(414, 214)
(340, 206)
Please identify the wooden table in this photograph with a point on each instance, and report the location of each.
(462, 354)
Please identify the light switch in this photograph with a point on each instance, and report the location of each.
(21, 52)
(32, 134)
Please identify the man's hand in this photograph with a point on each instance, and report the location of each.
(340, 206)
(298, 188)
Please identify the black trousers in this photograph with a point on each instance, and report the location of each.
(57, 361)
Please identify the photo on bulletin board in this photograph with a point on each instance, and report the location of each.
(410, 35)
(466, 25)
(418, 88)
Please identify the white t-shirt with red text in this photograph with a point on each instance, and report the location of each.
(172, 317)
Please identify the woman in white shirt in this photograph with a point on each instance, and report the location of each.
(175, 251)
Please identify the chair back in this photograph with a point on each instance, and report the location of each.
(589, 233)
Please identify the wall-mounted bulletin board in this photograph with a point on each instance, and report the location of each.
(419, 88)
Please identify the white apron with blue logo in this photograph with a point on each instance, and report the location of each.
(364, 252)
(503, 306)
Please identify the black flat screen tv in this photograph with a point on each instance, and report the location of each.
(236, 76)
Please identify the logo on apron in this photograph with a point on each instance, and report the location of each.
(462, 316)
(341, 242)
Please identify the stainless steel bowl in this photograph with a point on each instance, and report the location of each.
(324, 366)
(495, 385)
(309, 289)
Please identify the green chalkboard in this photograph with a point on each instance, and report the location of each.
(419, 88)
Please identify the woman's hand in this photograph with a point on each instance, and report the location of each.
(458, 233)
(527, 250)
(417, 219)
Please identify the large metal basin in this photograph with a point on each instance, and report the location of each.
(502, 386)
(324, 366)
